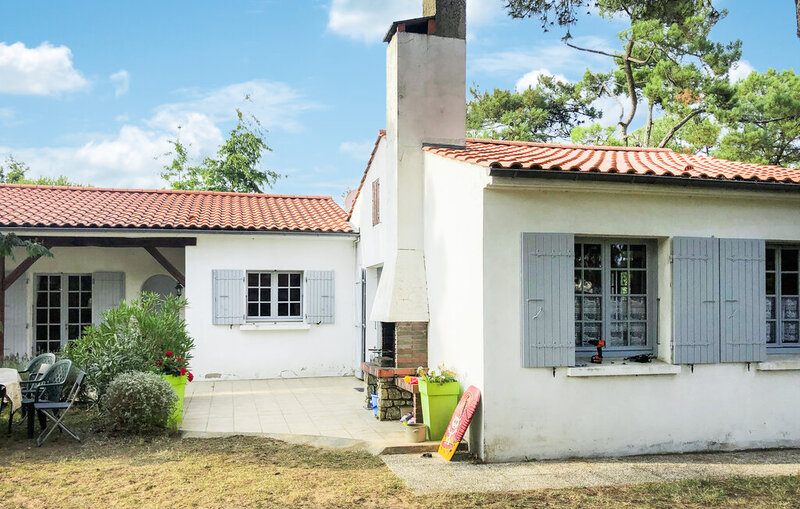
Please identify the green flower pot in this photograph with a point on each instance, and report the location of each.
(439, 401)
(178, 384)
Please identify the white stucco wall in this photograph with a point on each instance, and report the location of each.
(229, 351)
(530, 413)
(453, 262)
(136, 263)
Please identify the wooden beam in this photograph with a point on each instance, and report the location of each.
(155, 253)
(115, 241)
(18, 271)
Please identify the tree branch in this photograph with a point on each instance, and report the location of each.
(612, 94)
(626, 65)
(677, 126)
(625, 58)
(649, 124)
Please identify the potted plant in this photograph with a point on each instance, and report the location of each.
(175, 370)
(439, 391)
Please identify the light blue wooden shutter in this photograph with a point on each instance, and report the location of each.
(228, 297)
(319, 296)
(108, 290)
(743, 315)
(695, 300)
(548, 299)
(16, 325)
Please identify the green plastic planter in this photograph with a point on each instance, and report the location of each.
(439, 401)
(178, 384)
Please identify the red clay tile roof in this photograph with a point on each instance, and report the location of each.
(86, 207)
(381, 134)
(630, 160)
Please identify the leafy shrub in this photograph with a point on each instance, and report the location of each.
(130, 338)
(138, 402)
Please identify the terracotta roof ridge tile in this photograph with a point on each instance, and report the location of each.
(614, 148)
(166, 191)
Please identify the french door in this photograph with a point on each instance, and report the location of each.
(63, 309)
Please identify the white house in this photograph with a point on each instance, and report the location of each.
(501, 260)
(515, 255)
(269, 279)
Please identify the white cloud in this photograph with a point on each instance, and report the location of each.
(368, 20)
(133, 156)
(531, 79)
(358, 150)
(44, 70)
(557, 57)
(740, 70)
(121, 81)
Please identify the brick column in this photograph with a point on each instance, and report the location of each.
(411, 344)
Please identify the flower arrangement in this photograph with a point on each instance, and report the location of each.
(171, 364)
(432, 377)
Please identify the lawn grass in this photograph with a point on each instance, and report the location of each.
(160, 471)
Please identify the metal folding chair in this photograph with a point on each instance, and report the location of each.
(56, 410)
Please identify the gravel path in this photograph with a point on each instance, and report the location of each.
(432, 475)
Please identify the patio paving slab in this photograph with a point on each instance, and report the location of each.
(435, 475)
(317, 411)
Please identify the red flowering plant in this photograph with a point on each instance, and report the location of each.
(171, 364)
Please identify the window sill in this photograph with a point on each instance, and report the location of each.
(631, 369)
(267, 326)
(780, 363)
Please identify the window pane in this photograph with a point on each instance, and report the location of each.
(41, 332)
(73, 299)
(55, 300)
(266, 294)
(789, 308)
(86, 283)
(619, 334)
(41, 316)
(591, 255)
(592, 309)
(770, 259)
(55, 332)
(789, 259)
(283, 279)
(637, 334)
(620, 282)
(74, 315)
(283, 309)
(295, 294)
(592, 281)
(770, 332)
(295, 279)
(638, 282)
(592, 331)
(252, 309)
(638, 256)
(619, 256)
(283, 294)
(54, 282)
(252, 279)
(578, 312)
(252, 294)
(578, 333)
(86, 316)
(73, 283)
(638, 308)
(294, 309)
(55, 316)
(770, 283)
(266, 310)
(578, 281)
(41, 299)
(73, 332)
(770, 308)
(578, 255)
(789, 284)
(86, 299)
(266, 279)
(619, 308)
(790, 332)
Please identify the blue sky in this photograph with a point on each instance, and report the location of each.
(94, 90)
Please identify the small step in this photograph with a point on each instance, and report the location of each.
(411, 448)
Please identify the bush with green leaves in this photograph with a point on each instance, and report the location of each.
(130, 338)
(138, 402)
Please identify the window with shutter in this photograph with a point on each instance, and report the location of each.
(548, 301)
(782, 274)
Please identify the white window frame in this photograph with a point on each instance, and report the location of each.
(64, 307)
(651, 278)
(273, 317)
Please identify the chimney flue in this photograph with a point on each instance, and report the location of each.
(450, 15)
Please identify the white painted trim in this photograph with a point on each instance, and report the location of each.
(275, 326)
(636, 369)
(780, 363)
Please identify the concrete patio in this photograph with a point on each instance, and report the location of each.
(323, 410)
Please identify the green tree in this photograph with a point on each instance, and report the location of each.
(541, 113)
(14, 171)
(666, 57)
(764, 124)
(236, 166)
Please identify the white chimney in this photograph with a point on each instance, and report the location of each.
(425, 104)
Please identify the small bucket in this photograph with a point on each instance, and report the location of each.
(415, 432)
(374, 401)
